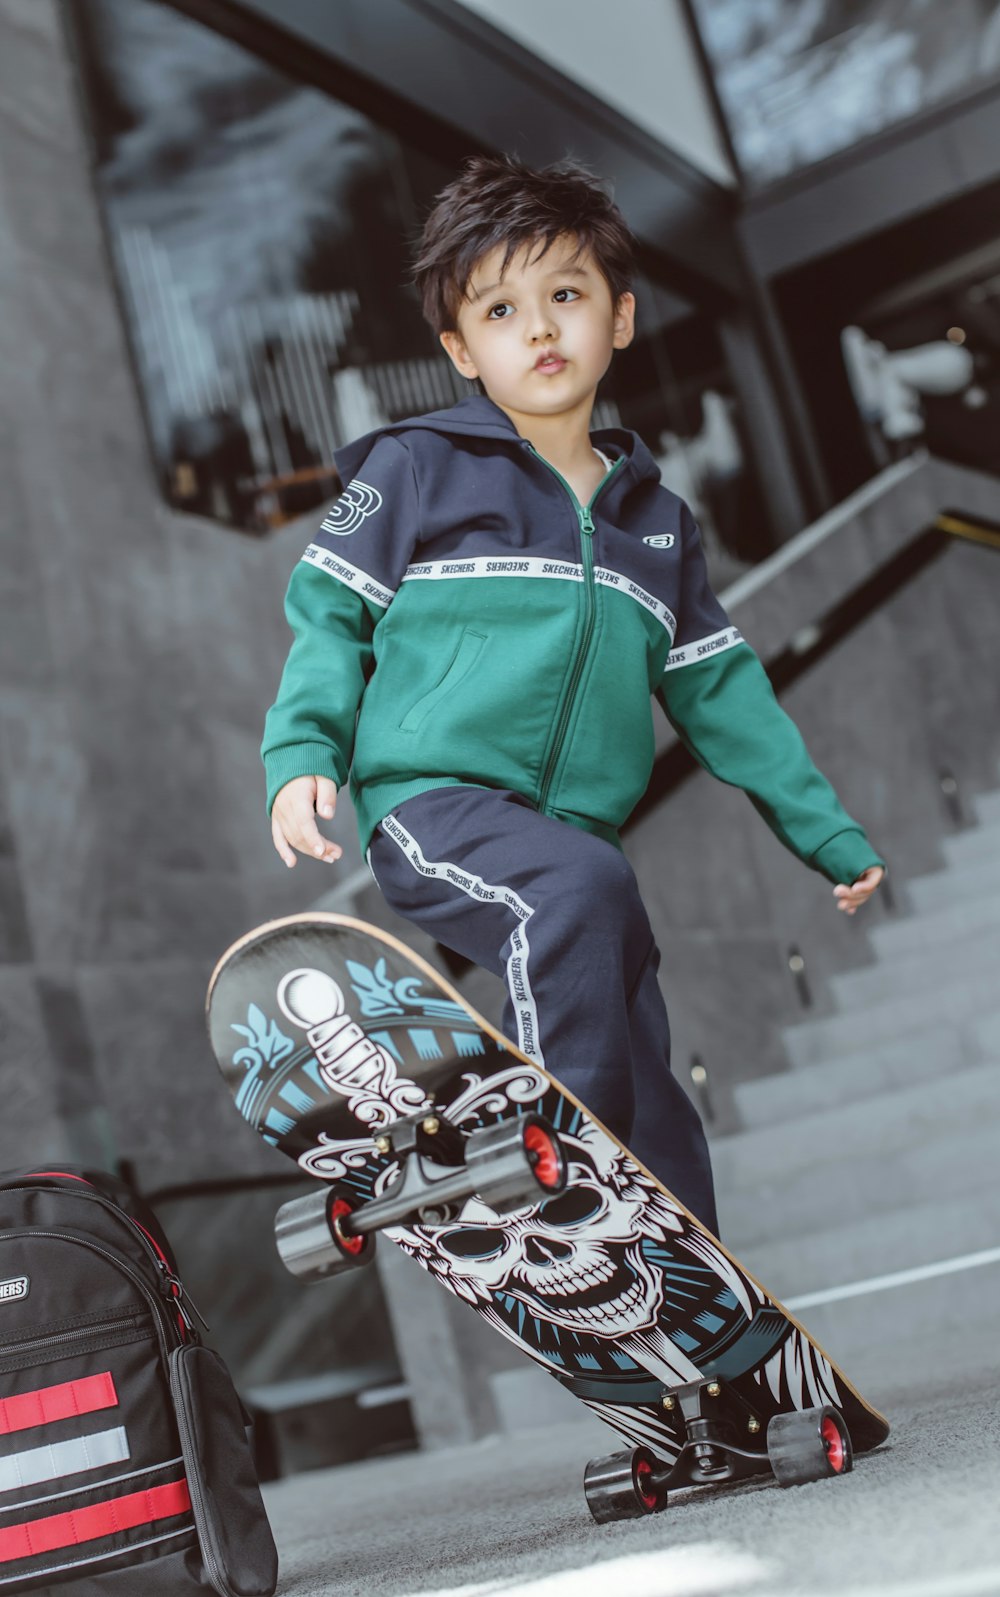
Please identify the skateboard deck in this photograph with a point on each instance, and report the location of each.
(355, 1058)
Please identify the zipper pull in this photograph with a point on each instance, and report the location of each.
(174, 1290)
(586, 521)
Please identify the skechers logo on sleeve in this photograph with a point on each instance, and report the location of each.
(353, 576)
(700, 647)
(348, 512)
(722, 640)
(660, 540)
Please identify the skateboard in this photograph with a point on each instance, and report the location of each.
(359, 1061)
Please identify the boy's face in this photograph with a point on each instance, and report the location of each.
(548, 309)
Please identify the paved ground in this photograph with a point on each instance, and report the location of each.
(920, 1517)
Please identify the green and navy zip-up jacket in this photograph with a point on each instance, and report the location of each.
(461, 618)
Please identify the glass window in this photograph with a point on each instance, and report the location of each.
(800, 81)
(673, 386)
(924, 367)
(261, 231)
(897, 341)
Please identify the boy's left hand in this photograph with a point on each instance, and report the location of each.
(850, 899)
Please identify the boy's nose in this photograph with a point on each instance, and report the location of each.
(542, 327)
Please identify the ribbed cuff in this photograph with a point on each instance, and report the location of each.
(301, 759)
(844, 857)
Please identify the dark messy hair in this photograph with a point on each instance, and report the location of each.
(497, 199)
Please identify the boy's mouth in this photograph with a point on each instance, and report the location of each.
(549, 363)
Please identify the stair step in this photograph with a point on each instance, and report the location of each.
(882, 1339)
(958, 885)
(879, 1244)
(987, 808)
(894, 1120)
(527, 1398)
(837, 1035)
(950, 1157)
(790, 1094)
(983, 1034)
(931, 928)
(924, 969)
(976, 844)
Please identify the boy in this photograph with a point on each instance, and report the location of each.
(500, 591)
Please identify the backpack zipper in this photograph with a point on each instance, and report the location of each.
(100, 1329)
(158, 1306)
(586, 521)
(171, 1283)
(93, 1195)
(201, 1506)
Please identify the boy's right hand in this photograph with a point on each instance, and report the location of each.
(293, 818)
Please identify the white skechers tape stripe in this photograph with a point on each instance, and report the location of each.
(535, 566)
(517, 963)
(56, 1459)
(494, 566)
(614, 579)
(701, 648)
(351, 576)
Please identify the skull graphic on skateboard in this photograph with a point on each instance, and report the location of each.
(360, 1062)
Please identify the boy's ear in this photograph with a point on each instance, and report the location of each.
(458, 354)
(624, 324)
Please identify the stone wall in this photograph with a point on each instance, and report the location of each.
(911, 692)
(137, 652)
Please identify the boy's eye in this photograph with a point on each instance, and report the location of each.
(502, 310)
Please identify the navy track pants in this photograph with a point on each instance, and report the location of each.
(556, 913)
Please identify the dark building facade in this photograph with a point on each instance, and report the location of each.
(866, 142)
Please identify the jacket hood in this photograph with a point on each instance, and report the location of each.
(476, 416)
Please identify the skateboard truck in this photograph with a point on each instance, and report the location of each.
(804, 1445)
(509, 1166)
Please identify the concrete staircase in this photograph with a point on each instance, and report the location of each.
(878, 1151)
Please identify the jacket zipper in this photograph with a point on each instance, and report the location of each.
(586, 521)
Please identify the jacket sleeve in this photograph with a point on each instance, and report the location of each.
(719, 699)
(337, 594)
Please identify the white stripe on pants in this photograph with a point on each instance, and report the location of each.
(518, 983)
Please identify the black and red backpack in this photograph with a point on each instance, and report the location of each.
(125, 1467)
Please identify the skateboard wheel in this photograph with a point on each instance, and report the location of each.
(809, 1446)
(311, 1240)
(622, 1486)
(516, 1163)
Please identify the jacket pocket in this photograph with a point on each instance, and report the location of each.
(470, 647)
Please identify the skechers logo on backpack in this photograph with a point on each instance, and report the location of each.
(349, 511)
(14, 1289)
(660, 540)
